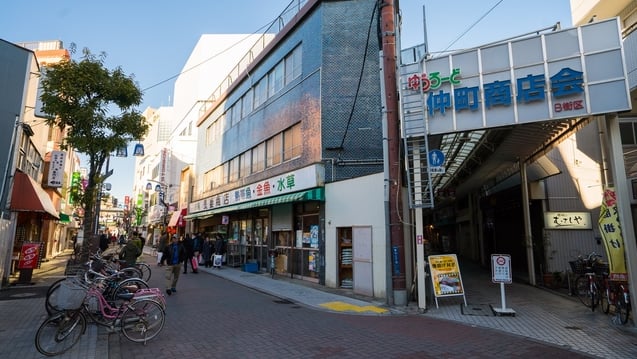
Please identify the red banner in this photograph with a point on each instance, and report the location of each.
(29, 255)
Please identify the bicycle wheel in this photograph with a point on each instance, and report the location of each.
(145, 270)
(583, 290)
(142, 320)
(594, 294)
(623, 308)
(60, 332)
(50, 303)
(605, 298)
(131, 272)
(130, 285)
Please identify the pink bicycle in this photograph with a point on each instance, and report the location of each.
(140, 317)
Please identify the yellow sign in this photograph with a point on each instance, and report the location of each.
(445, 275)
(611, 232)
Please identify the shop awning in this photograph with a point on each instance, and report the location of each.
(177, 218)
(65, 218)
(28, 196)
(316, 194)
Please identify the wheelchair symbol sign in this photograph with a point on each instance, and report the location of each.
(436, 158)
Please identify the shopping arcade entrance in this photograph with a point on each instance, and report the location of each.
(492, 112)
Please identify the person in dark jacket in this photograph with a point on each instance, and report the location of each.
(208, 249)
(173, 254)
(188, 245)
(129, 254)
(103, 241)
(220, 245)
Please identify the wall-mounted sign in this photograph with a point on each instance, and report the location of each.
(56, 169)
(304, 178)
(567, 220)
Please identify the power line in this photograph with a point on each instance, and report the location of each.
(472, 25)
(258, 31)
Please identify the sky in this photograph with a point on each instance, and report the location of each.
(151, 40)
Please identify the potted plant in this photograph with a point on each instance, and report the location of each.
(552, 279)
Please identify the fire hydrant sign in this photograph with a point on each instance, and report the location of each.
(29, 256)
(501, 268)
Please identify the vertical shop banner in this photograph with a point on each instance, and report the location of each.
(56, 169)
(445, 275)
(610, 229)
(29, 256)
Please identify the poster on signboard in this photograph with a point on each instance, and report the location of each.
(445, 275)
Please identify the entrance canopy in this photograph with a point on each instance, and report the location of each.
(28, 196)
(316, 194)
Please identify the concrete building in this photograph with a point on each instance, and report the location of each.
(37, 219)
(290, 154)
(161, 186)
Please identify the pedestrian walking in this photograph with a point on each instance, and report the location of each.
(188, 246)
(174, 254)
(208, 249)
(163, 242)
(129, 254)
(103, 241)
(197, 247)
(220, 246)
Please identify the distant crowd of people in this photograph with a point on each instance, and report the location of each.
(190, 250)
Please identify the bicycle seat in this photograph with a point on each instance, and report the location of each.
(125, 296)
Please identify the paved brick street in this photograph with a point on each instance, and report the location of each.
(211, 317)
(232, 314)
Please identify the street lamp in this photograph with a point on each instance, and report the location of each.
(159, 187)
(119, 152)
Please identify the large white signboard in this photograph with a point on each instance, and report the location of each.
(568, 73)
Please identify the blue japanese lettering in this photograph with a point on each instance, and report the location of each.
(466, 98)
(530, 88)
(567, 82)
(497, 93)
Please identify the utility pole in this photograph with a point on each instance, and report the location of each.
(394, 185)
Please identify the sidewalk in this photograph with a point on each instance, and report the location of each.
(539, 314)
(22, 311)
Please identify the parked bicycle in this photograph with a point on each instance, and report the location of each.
(588, 284)
(140, 317)
(272, 255)
(615, 294)
(112, 285)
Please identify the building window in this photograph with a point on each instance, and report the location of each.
(258, 158)
(246, 164)
(208, 181)
(293, 65)
(225, 173)
(261, 92)
(292, 146)
(246, 104)
(273, 151)
(235, 113)
(275, 79)
(234, 170)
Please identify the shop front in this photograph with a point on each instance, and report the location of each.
(287, 224)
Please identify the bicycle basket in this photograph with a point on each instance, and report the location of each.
(578, 267)
(70, 295)
(601, 268)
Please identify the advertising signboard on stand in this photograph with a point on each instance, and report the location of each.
(445, 276)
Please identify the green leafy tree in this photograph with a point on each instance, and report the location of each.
(98, 108)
